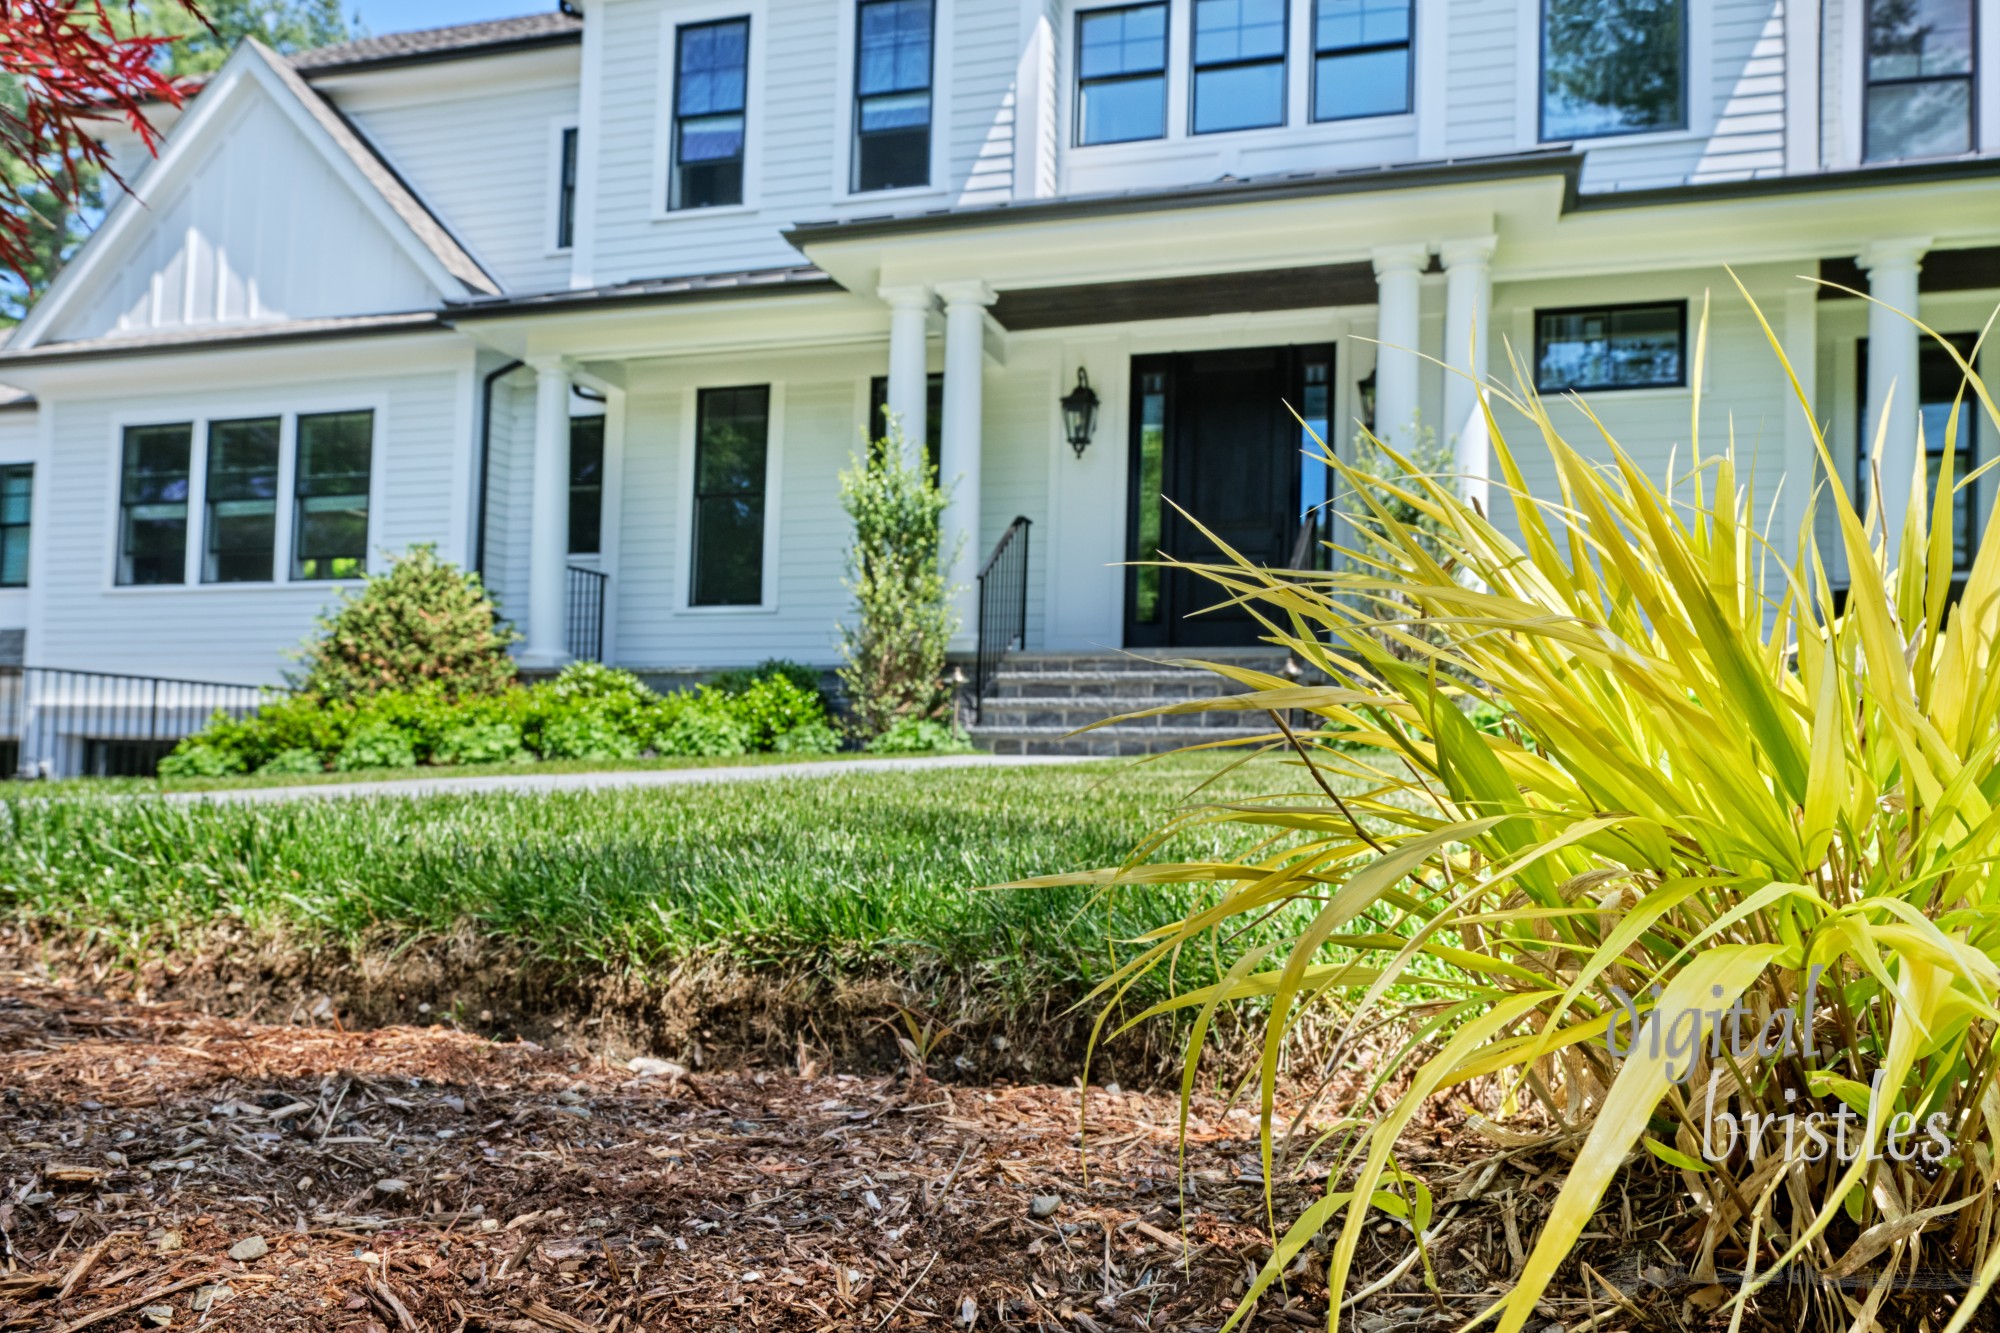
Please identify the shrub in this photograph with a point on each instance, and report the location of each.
(775, 706)
(376, 744)
(812, 738)
(1720, 774)
(199, 761)
(479, 743)
(422, 622)
(920, 735)
(287, 722)
(588, 730)
(701, 723)
(894, 648)
(292, 763)
(736, 680)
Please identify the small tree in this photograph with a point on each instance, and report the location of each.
(424, 622)
(895, 647)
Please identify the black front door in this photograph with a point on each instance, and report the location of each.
(1213, 432)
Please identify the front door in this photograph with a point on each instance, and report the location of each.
(1213, 432)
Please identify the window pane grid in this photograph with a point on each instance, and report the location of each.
(240, 491)
(586, 485)
(1612, 67)
(1121, 74)
(732, 436)
(566, 193)
(16, 505)
(1361, 58)
(330, 525)
(711, 81)
(153, 502)
(1615, 347)
(1239, 65)
(892, 118)
(1920, 73)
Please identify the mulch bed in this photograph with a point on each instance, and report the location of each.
(162, 1168)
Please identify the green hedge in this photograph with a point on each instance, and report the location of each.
(588, 712)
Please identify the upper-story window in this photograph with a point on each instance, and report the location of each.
(17, 488)
(566, 190)
(1239, 65)
(1121, 84)
(1613, 67)
(711, 83)
(1361, 58)
(1920, 71)
(892, 95)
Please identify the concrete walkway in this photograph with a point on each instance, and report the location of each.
(544, 783)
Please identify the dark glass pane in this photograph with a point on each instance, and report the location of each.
(16, 505)
(566, 193)
(152, 537)
(878, 402)
(729, 551)
(893, 159)
(154, 542)
(1132, 40)
(1152, 476)
(1612, 67)
(895, 54)
(16, 494)
(1932, 119)
(1362, 83)
(332, 537)
(713, 59)
(1919, 39)
(709, 184)
(730, 454)
(241, 494)
(1124, 110)
(711, 139)
(243, 460)
(1610, 349)
(13, 557)
(330, 540)
(1239, 97)
(1340, 23)
(731, 450)
(156, 464)
(334, 453)
(586, 485)
(1315, 406)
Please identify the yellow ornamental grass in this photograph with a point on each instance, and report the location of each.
(1717, 774)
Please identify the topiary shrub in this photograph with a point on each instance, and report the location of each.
(376, 744)
(424, 621)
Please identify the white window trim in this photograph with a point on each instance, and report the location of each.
(1704, 109)
(941, 85)
(774, 472)
(552, 225)
(288, 411)
(753, 108)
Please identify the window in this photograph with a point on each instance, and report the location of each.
(1613, 67)
(1361, 58)
(566, 191)
(153, 505)
(1939, 382)
(711, 74)
(1920, 68)
(878, 402)
(17, 490)
(586, 485)
(1239, 64)
(1613, 347)
(330, 529)
(1150, 444)
(1121, 84)
(241, 498)
(732, 437)
(892, 95)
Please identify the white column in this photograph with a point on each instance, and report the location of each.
(959, 457)
(548, 519)
(909, 366)
(1398, 328)
(1892, 375)
(1468, 307)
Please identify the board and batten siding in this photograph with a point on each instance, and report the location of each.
(261, 230)
(238, 633)
(487, 166)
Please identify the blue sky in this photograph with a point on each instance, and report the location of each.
(384, 16)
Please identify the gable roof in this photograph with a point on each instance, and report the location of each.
(464, 39)
(411, 226)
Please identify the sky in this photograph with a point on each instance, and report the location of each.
(385, 16)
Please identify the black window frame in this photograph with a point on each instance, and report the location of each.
(1408, 46)
(1678, 304)
(1967, 522)
(859, 139)
(1869, 83)
(213, 558)
(13, 532)
(125, 572)
(1196, 69)
(701, 498)
(676, 185)
(878, 402)
(1681, 123)
(1082, 83)
(301, 479)
(566, 151)
(586, 493)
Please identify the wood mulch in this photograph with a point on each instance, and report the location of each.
(162, 1168)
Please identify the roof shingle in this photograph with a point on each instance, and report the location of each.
(441, 43)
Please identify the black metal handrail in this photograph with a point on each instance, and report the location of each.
(1003, 607)
(586, 613)
(57, 722)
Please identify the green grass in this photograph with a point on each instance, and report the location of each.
(861, 872)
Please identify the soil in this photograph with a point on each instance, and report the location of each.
(160, 1167)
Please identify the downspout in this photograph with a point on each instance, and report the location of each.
(485, 462)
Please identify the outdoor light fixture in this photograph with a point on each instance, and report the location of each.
(1366, 388)
(1079, 408)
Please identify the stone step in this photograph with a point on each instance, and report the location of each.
(1156, 686)
(1149, 662)
(1082, 710)
(1118, 740)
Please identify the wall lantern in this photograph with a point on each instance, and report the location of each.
(1366, 389)
(1079, 409)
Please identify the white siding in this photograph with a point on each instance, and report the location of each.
(985, 37)
(1485, 65)
(485, 163)
(261, 230)
(229, 633)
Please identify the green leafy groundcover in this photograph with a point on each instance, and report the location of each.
(589, 712)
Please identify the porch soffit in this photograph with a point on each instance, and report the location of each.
(1027, 308)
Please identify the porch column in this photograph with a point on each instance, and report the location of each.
(959, 456)
(909, 366)
(1892, 375)
(545, 644)
(1399, 287)
(1468, 305)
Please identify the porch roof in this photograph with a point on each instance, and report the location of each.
(649, 291)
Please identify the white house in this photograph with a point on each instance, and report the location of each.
(620, 292)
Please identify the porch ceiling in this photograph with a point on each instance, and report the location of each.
(1024, 308)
